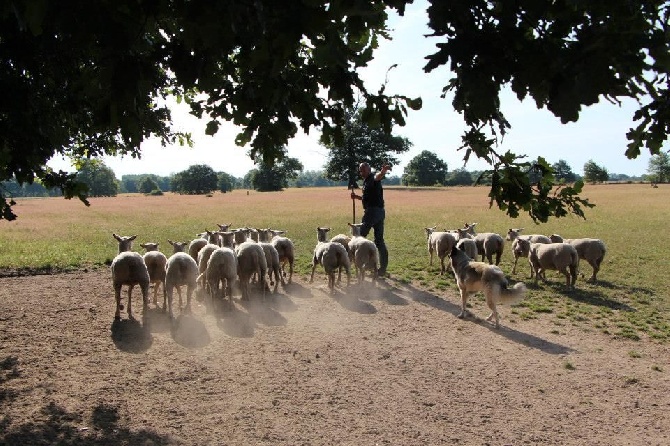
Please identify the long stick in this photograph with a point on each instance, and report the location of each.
(353, 207)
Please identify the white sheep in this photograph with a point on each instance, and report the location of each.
(203, 258)
(342, 239)
(156, 263)
(227, 239)
(181, 270)
(274, 266)
(469, 246)
(221, 270)
(128, 268)
(195, 246)
(286, 251)
(363, 253)
(521, 245)
(250, 260)
(332, 256)
(561, 257)
(592, 250)
(488, 243)
(440, 243)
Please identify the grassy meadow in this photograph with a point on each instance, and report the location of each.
(631, 299)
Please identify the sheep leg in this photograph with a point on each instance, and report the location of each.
(119, 307)
(311, 279)
(596, 268)
(516, 259)
(130, 293)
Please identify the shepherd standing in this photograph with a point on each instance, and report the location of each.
(373, 210)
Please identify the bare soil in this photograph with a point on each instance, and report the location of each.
(374, 365)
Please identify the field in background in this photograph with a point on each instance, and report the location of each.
(630, 300)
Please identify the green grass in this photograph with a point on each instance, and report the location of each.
(629, 301)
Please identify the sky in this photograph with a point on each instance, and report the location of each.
(599, 135)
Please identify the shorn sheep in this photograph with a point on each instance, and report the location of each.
(156, 263)
(250, 261)
(332, 256)
(440, 244)
(561, 257)
(363, 253)
(592, 250)
(181, 270)
(128, 268)
(286, 251)
(488, 243)
(520, 248)
(221, 270)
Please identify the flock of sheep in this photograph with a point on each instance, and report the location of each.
(543, 252)
(216, 260)
(213, 261)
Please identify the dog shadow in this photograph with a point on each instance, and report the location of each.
(529, 340)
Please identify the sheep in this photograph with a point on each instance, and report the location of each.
(274, 267)
(488, 243)
(440, 243)
(202, 259)
(469, 246)
(562, 257)
(521, 245)
(513, 233)
(286, 251)
(250, 260)
(179, 246)
(221, 269)
(224, 227)
(181, 270)
(332, 256)
(128, 268)
(227, 239)
(343, 240)
(363, 253)
(155, 262)
(195, 246)
(592, 250)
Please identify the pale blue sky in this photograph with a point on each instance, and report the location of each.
(600, 133)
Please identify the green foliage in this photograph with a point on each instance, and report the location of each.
(100, 179)
(594, 173)
(90, 78)
(359, 142)
(459, 177)
(226, 182)
(198, 179)
(563, 172)
(659, 168)
(147, 185)
(425, 169)
(275, 177)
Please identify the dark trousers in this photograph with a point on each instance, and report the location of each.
(373, 218)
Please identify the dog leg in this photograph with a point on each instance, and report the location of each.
(494, 311)
(464, 302)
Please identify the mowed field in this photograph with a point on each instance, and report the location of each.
(374, 364)
(631, 299)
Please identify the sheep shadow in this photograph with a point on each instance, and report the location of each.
(130, 336)
(591, 296)
(236, 323)
(57, 422)
(295, 289)
(349, 300)
(157, 320)
(189, 331)
(262, 311)
(9, 369)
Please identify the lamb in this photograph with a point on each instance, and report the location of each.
(363, 252)
(592, 250)
(562, 257)
(156, 263)
(195, 246)
(274, 267)
(440, 243)
(128, 268)
(181, 270)
(202, 259)
(286, 251)
(514, 233)
(488, 243)
(221, 269)
(469, 246)
(332, 256)
(227, 239)
(342, 239)
(250, 260)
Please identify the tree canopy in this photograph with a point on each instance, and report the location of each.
(659, 168)
(198, 179)
(275, 177)
(593, 173)
(360, 142)
(425, 169)
(89, 78)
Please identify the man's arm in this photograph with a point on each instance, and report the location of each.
(382, 173)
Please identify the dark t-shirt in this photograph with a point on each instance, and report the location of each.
(373, 194)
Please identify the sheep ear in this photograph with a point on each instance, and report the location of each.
(132, 237)
(117, 237)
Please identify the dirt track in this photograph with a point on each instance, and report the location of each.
(388, 365)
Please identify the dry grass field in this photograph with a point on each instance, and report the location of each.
(386, 364)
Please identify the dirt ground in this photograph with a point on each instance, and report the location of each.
(384, 365)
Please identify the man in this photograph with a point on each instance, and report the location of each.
(374, 213)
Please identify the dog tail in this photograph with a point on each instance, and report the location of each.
(510, 296)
